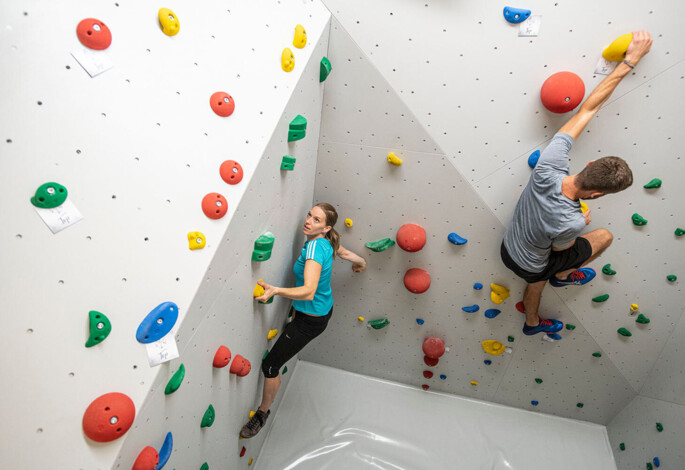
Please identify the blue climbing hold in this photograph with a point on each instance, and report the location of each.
(456, 239)
(657, 462)
(443, 377)
(533, 159)
(478, 286)
(554, 336)
(492, 312)
(487, 362)
(516, 15)
(165, 451)
(534, 403)
(471, 308)
(157, 323)
(419, 321)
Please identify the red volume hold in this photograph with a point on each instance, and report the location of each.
(108, 417)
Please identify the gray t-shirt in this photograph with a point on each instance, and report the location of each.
(544, 218)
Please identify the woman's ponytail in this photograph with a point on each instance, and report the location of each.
(331, 219)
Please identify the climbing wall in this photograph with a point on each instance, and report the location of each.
(138, 147)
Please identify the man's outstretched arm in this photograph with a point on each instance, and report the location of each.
(637, 49)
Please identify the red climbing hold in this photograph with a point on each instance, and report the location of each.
(94, 34)
(147, 459)
(411, 237)
(433, 347)
(425, 387)
(562, 92)
(222, 103)
(222, 357)
(520, 307)
(242, 451)
(240, 366)
(231, 172)
(417, 280)
(427, 374)
(214, 205)
(108, 417)
(431, 361)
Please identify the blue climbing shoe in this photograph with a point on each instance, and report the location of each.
(546, 325)
(576, 278)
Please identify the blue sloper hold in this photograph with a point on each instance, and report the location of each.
(478, 286)
(657, 462)
(471, 308)
(554, 336)
(443, 376)
(516, 15)
(533, 159)
(534, 403)
(165, 451)
(157, 323)
(487, 362)
(419, 321)
(456, 239)
(492, 312)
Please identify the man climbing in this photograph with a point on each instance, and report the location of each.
(541, 243)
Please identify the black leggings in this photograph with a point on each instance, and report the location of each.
(294, 337)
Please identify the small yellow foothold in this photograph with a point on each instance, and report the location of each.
(394, 159)
(474, 383)
(616, 51)
(300, 37)
(196, 240)
(348, 223)
(583, 207)
(169, 22)
(252, 413)
(493, 347)
(287, 60)
(360, 319)
(258, 290)
(250, 462)
(499, 293)
(272, 334)
(634, 308)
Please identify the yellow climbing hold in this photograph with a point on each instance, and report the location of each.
(394, 159)
(258, 290)
(499, 293)
(272, 334)
(360, 319)
(492, 347)
(250, 462)
(300, 37)
(169, 22)
(348, 223)
(252, 413)
(287, 60)
(616, 51)
(583, 207)
(634, 308)
(474, 383)
(196, 240)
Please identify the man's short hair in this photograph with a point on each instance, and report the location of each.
(607, 174)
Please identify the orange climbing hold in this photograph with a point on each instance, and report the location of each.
(411, 237)
(240, 366)
(231, 172)
(214, 205)
(222, 357)
(222, 103)
(108, 417)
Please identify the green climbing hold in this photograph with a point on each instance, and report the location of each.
(679, 232)
(271, 299)
(266, 353)
(297, 128)
(380, 245)
(325, 70)
(205, 466)
(175, 380)
(100, 327)
(672, 278)
(601, 298)
(539, 381)
(624, 332)
(208, 418)
(622, 446)
(606, 269)
(639, 220)
(510, 339)
(285, 369)
(378, 324)
(49, 196)
(597, 354)
(288, 163)
(649, 466)
(570, 327)
(642, 319)
(655, 183)
(659, 427)
(580, 405)
(263, 246)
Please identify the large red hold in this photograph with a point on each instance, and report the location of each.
(240, 366)
(411, 237)
(147, 459)
(222, 357)
(108, 417)
(430, 361)
(433, 347)
(562, 92)
(94, 34)
(417, 280)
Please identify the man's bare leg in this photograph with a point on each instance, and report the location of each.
(531, 302)
(600, 240)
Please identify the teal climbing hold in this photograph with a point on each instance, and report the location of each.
(49, 196)
(99, 326)
(642, 319)
(624, 332)
(606, 269)
(639, 220)
(288, 163)
(175, 381)
(208, 418)
(325, 69)
(380, 245)
(655, 183)
(297, 129)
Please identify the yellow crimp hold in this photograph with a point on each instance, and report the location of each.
(394, 159)
(616, 51)
(634, 307)
(499, 293)
(360, 318)
(474, 383)
(250, 462)
(583, 207)
(287, 60)
(272, 334)
(348, 223)
(169, 22)
(196, 240)
(300, 37)
(493, 347)
(258, 290)
(252, 413)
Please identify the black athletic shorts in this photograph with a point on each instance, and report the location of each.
(294, 337)
(570, 258)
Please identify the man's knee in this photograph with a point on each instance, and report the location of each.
(606, 237)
